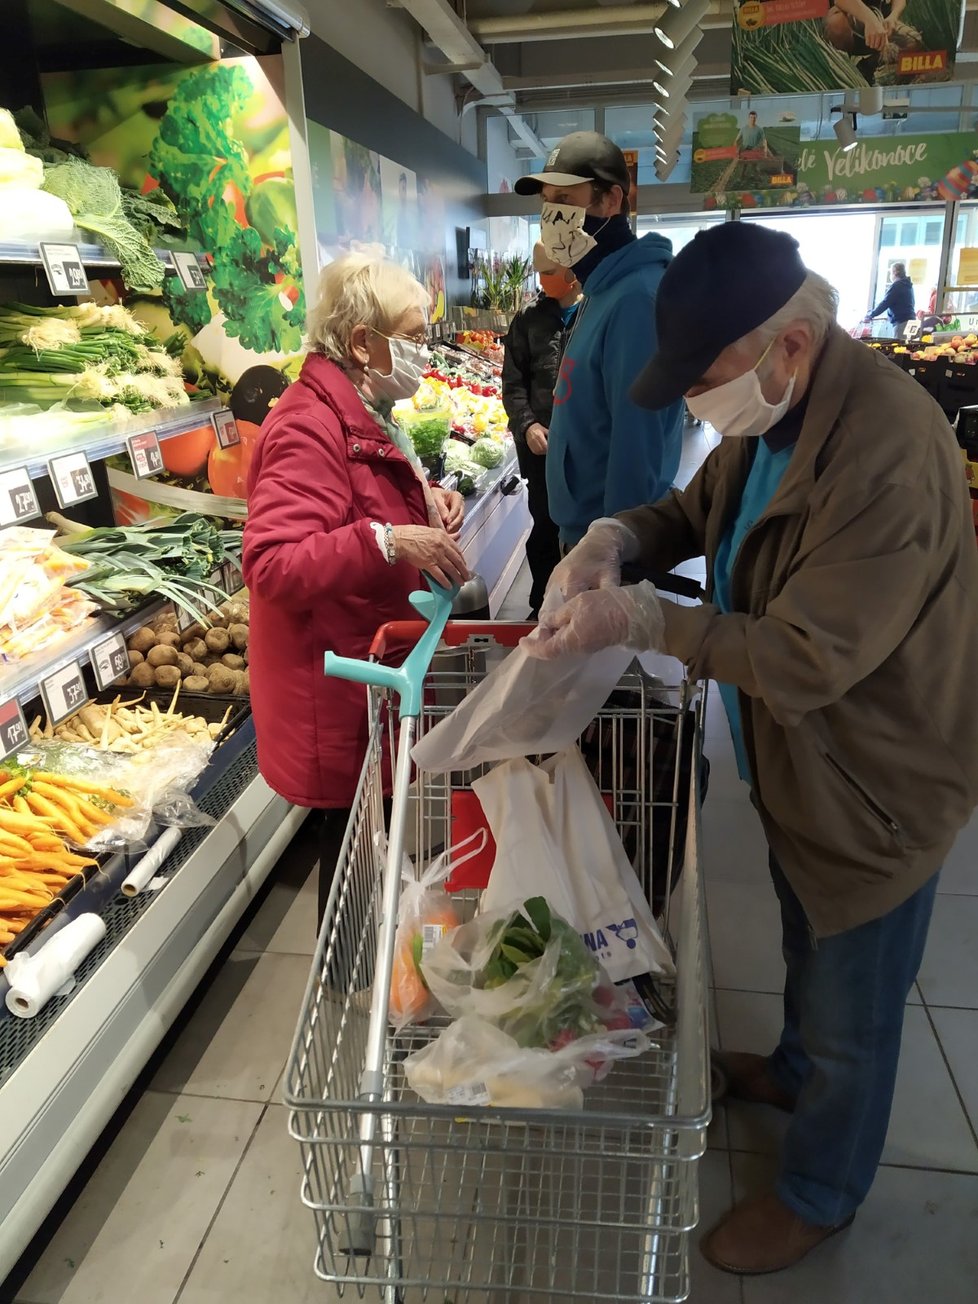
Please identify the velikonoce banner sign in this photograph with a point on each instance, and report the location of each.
(887, 169)
(786, 47)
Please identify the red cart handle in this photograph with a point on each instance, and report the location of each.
(405, 633)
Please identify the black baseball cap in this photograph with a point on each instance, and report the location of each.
(725, 283)
(581, 156)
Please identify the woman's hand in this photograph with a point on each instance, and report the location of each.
(433, 551)
(451, 508)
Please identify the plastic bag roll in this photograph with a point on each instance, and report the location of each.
(34, 979)
(145, 869)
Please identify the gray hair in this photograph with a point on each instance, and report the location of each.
(815, 302)
(360, 290)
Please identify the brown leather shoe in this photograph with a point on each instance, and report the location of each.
(747, 1078)
(763, 1235)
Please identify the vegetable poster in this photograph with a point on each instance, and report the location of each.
(880, 170)
(785, 47)
(738, 153)
(214, 140)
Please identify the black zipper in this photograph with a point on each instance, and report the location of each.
(869, 802)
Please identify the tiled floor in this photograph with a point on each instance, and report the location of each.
(196, 1201)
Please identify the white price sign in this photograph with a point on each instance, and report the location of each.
(64, 692)
(188, 269)
(13, 729)
(226, 429)
(145, 455)
(72, 478)
(110, 660)
(64, 268)
(18, 502)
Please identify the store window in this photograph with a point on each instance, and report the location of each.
(915, 240)
(679, 230)
(962, 272)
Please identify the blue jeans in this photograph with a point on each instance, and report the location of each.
(844, 999)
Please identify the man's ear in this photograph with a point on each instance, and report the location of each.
(797, 341)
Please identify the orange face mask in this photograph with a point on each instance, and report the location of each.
(555, 284)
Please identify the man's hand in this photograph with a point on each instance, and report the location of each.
(594, 564)
(536, 438)
(451, 508)
(601, 618)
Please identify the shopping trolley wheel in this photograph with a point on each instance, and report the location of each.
(718, 1083)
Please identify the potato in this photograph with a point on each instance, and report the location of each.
(185, 664)
(196, 684)
(169, 638)
(162, 655)
(167, 676)
(239, 636)
(143, 676)
(200, 670)
(244, 686)
(221, 679)
(217, 640)
(142, 640)
(232, 661)
(166, 621)
(135, 658)
(196, 648)
(194, 631)
(237, 613)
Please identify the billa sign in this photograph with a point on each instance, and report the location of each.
(789, 47)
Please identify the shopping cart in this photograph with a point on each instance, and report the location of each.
(452, 1203)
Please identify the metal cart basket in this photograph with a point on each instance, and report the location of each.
(450, 1203)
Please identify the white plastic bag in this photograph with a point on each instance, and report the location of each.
(425, 914)
(524, 707)
(555, 838)
(473, 1063)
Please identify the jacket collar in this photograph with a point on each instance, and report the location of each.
(332, 386)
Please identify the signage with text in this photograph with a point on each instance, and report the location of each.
(110, 660)
(71, 475)
(64, 692)
(64, 268)
(226, 429)
(188, 269)
(145, 455)
(13, 729)
(18, 502)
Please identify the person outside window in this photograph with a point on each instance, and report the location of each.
(898, 302)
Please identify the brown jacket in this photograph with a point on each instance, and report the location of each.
(856, 654)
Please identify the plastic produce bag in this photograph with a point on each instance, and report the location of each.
(425, 914)
(524, 707)
(529, 973)
(554, 836)
(158, 781)
(474, 1063)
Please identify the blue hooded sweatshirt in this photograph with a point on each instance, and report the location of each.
(606, 454)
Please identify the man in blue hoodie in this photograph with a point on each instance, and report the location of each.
(605, 453)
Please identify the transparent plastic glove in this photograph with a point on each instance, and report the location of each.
(601, 618)
(595, 563)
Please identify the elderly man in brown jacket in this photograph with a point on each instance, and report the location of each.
(842, 627)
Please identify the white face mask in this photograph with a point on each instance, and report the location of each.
(562, 234)
(738, 409)
(409, 361)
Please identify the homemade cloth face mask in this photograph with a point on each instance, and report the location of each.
(738, 409)
(562, 233)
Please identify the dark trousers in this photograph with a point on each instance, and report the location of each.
(543, 545)
(844, 1000)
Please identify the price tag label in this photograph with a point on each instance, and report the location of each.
(145, 455)
(64, 268)
(64, 692)
(18, 502)
(188, 269)
(72, 478)
(13, 729)
(226, 429)
(110, 659)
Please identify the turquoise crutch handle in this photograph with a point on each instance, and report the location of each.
(408, 679)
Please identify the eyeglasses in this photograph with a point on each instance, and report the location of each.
(419, 339)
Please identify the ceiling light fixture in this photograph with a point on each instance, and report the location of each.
(665, 83)
(668, 59)
(677, 24)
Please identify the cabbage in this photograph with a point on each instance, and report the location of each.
(33, 215)
(487, 452)
(20, 169)
(9, 135)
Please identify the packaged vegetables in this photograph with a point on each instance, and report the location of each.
(37, 608)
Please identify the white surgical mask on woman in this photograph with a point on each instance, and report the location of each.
(738, 409)
(409, 361)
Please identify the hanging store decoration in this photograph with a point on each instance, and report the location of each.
(785, 47)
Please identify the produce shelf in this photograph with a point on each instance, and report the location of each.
(92, 255)
(20, 679)
(108, 439)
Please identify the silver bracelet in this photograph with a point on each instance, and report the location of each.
(390, 544)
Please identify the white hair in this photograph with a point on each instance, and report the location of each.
(360, 290)
(815, 302)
